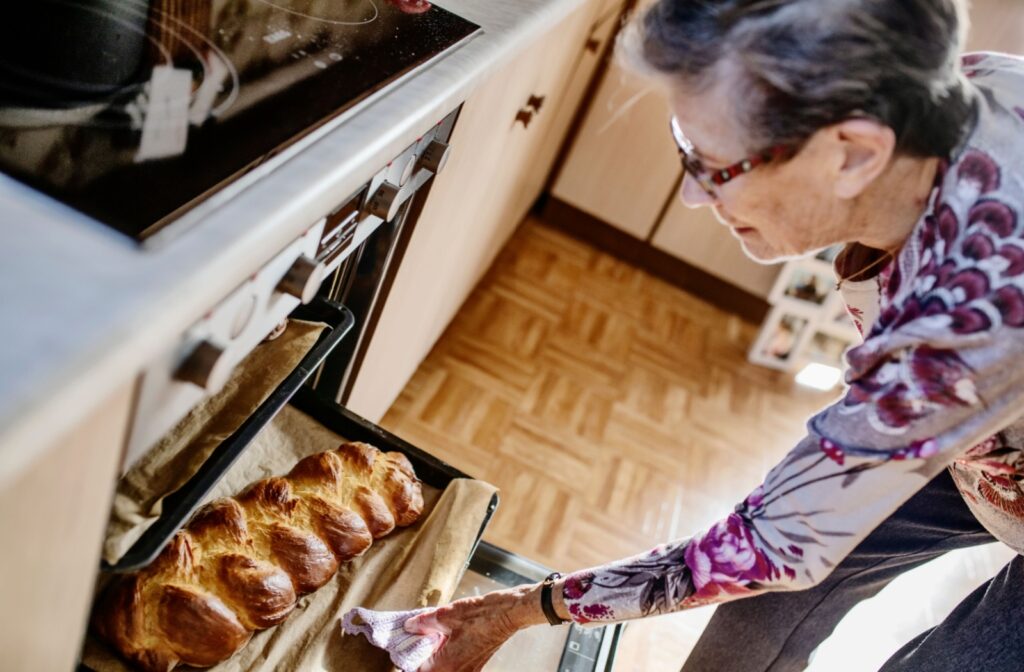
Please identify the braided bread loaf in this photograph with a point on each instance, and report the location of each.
(241, 563)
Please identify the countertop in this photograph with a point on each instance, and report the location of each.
(84, 309)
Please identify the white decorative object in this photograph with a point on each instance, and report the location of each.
(808, 323)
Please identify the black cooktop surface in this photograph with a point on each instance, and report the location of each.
(132, 111)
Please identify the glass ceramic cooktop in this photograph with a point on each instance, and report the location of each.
(132, 111)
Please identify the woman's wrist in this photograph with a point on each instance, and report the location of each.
(558, 600)
(524, 608)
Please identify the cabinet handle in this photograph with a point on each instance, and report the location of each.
(536, 102)
(593, 45)
(525, 116)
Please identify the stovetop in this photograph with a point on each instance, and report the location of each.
(133, 111)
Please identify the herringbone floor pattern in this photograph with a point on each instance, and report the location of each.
(613, 410)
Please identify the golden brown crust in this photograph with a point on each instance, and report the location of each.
(260, 592)
(406, 493)
(125, 620)
(358, 458)
(273, 494)
(375, 511)
(200, 628)
(223, 516)
(344, 531)
(305, 557)
(241, 563)
(325, 468)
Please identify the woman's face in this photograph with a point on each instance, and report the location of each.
(777, 210)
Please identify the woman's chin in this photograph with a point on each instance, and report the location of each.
(758, 249)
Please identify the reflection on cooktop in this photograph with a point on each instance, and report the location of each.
(338, 14)
(133, 110)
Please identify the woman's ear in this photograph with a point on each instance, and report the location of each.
(865, 148)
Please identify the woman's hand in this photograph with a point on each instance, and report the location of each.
(476, 627)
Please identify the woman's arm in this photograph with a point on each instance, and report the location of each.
(938, 377)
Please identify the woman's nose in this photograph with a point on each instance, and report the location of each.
(692, 194)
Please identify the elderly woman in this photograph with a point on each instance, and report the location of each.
(803, 124)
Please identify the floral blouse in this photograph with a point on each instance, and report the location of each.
(938, 383)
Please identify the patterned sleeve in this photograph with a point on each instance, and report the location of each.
(938, 374)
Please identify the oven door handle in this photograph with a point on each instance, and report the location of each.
(179, 506)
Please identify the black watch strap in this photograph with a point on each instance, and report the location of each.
(545, 599)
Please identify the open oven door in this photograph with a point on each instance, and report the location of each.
(568, 649)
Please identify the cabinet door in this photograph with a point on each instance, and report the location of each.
(584, 61)
(696, 237)
(52, 519)
(472, 209)
(560, 86)
(622, 167)
(997, 25)
(609, 7)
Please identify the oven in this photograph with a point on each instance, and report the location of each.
(349, 256)
(362, 282)
(332, 282)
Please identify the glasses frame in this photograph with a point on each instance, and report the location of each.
(708, 180)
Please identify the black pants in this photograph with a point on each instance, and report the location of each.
(779, 631)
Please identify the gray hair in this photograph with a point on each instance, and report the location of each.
(807, 64)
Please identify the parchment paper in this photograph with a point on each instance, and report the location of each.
(414, 567)
(138, 501)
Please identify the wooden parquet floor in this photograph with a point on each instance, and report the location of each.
(614, 411)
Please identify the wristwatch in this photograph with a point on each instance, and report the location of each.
(545, 600)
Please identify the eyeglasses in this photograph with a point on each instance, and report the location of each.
(708, 180)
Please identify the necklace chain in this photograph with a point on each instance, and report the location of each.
(876, 262)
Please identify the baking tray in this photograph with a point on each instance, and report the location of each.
(429, 469)
(179, 506)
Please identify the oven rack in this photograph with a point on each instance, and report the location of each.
(179, 506)
(429, 469)
(340, 420)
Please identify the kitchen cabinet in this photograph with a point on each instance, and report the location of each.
(503, 147)
(622, 167)
(623, 170)
(52, 520)
(696, 237)
(582, 64)
(997, 25)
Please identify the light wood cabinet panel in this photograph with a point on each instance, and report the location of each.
(622, 167)
(602, 26)
(473, 207)
(997, 25)
(538, 72)
(609, 7)
(52, 520)
(696, 237)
